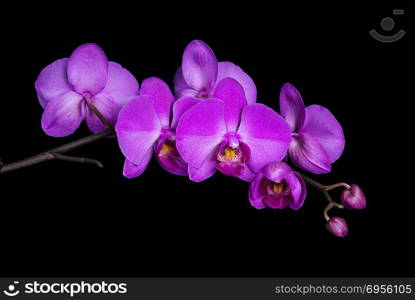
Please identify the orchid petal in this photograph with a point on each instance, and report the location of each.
(298, 192)
(88, 69)
(322, 125)
(276, 171)
(63, 114)
(233, 96)
(307, 153)
(206, 170)
(181, 88)
(162, 97)
(108, 108)
(121, 85)
(138, 128)
(247, 174)
(266, 134)
(132, 170)
(255, 196)
(199, 66)
(52, 81)
(180, 107)
(292, 107)
(228, 69)
(200, 130)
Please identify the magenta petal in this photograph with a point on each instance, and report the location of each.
(121, 85)
(200, 131)
(207, 170)
(255, 196)
(162, 97)
(63, 115)
(132, 170)
(180, 107)
(276, 171)
(107, 107)
(298, 190)
(138, 128)
(199, 66)
(322, 125)
(266, 134)
(228, 69)
(181, 88)
(247, 174)
(307, 153)
(292, 107)
(233, 96)
(88, 69)
(52, 81)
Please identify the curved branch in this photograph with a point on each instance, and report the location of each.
(324, 189)
(55, 153)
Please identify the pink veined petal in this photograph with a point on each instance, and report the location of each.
(63, 114)
(52, 81)
(88, 69)
(180, 107)
(121, 85)
(292, 107)
(107, 107)
(255, 196)
(132, 170)
(307, 153)
(233, 96)
(138, 128)
(228, 69)
(200, 130)
(162, 97)
(199, 66)
(207, 170)
(323, 126)
(181, 88)
(276, 171)
(266, 134)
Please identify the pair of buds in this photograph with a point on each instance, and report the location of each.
(351, 198)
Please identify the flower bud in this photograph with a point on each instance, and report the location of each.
(337, 226)
(353, 198)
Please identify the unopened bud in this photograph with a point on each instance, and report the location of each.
(353, 198)
(337, 226)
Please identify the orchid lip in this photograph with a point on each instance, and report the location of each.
(167, 154)
(276, 194)
(232, 156)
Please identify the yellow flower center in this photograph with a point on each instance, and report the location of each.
(166, 149)
(278, 187)
(230, 153)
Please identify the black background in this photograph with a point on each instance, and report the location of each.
(63, 219)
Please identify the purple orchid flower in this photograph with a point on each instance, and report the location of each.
(145, 125)
(277, 186)
(318, 138)
(70, 88)
(200, 73)
(225, 133)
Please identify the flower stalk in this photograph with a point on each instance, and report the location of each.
(57, 153)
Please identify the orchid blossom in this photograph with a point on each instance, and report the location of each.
(200, 73)
(277, 186)
(80, 87)
(226, 133)
(146, 125)
(318, 139)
